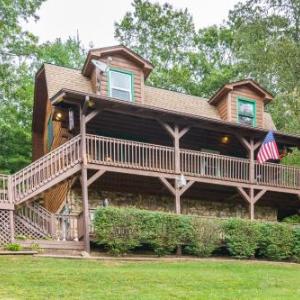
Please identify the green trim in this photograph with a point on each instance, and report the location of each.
(50, 135)
(247, 100)
(124, 72)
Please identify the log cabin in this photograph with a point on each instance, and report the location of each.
(103, 136)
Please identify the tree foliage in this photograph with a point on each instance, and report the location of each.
(185, 60)
(20, 56)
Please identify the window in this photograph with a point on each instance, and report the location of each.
(247, 112)
(50, 132)
(121, 85)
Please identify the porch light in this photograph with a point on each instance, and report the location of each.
(181, 181)
(91, 104)
(225, 139)
(58, 116)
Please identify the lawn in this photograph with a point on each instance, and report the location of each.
(49, 278)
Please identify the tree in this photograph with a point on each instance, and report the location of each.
(16, 106)
(267, 47)
(185, 60)
(20, 57)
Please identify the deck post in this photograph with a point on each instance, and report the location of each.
(177, 198)
(11, 212)
(252, 204)
(176, 134)
(84, 180)
(177, 191)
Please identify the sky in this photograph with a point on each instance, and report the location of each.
(94, 19)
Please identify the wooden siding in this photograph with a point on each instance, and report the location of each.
(223, 108)
(54, 198)
(122, 63)
(248, 93)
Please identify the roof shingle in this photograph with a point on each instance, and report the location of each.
(58, 78)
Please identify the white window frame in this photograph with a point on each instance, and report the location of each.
(111, 86)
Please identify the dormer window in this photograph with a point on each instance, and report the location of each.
(247, 112)
(120, 84)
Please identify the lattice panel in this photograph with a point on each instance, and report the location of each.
(27, 230)
(5, 230)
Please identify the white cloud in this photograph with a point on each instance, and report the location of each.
(94, 19)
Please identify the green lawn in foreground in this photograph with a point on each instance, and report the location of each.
(48, 278)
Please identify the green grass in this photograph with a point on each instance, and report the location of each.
(49, 278)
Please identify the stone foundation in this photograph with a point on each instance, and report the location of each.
(161, 203)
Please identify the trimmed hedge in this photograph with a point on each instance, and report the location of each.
(241, 237)
(121, 230)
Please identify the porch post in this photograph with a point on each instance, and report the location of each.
(176, 149)
(11, 212)
(84, 184)
(252, 212)
(176, 134)
(177, 198)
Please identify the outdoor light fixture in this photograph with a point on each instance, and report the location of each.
(181, 181)
(225, 139)
(58, 116)
(91, 104)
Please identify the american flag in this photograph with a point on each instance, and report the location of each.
(268, 149)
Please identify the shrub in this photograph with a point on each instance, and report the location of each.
(277, 241)
(295, 219)
(296, 248)
(13, 247)
(164, 231)
(241, 237)
(206, 237)
(117, 229)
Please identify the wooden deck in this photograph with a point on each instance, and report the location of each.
(117, 155)
(129, 155)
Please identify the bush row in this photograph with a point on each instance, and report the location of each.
(121, 230)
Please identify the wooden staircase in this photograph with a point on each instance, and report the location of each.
(49, 170)
(17, 190)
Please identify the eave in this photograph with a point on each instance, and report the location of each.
(230, 86)
(72, 97)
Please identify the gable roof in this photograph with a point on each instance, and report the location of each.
(230, 86)
(147, 67)
(59, 78)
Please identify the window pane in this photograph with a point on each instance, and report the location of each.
(120, 80)
(246, 120)
(124, 95)
(246, 109)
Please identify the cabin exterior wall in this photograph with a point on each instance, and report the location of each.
(200, 207)
(247, 93)
(121, 63)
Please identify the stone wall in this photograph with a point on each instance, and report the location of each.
(188, 206)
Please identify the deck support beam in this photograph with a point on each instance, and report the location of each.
(251, 198)
(84, 179)
(176, 134)
(94, 177)
(251, 147)
(176, 190)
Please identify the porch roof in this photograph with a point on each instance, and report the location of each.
(73, 97)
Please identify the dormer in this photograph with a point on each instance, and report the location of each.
(242, 102)
(117, 72)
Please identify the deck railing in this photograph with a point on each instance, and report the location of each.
(215, 166)
(46, 168)
(38, 217)
(150, 157)
(123, 153)
(4, 189)
(277, 175)
(142, 156)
